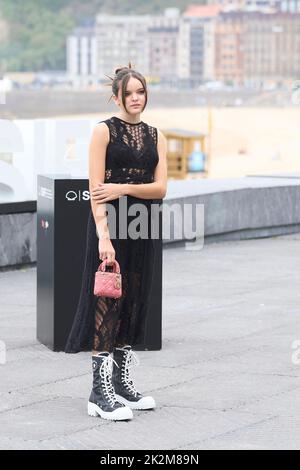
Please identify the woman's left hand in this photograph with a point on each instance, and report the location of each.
(107, 192)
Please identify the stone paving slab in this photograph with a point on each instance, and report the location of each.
(224, 379)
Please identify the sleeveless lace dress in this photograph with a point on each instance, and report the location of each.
(102, 323)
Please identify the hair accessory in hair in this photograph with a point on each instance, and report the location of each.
(129, 67)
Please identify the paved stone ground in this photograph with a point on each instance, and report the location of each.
(225, 378)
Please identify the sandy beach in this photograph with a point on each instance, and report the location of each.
(244, 140)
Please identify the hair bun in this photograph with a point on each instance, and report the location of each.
(127, 67)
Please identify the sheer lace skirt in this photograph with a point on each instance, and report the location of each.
(100, 323)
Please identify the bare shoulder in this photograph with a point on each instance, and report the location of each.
(101, 133)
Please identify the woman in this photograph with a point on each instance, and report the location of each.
(127, 162)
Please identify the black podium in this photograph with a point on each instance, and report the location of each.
(63, 206)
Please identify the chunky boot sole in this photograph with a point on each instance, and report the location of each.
(116, 415)
(145, 403)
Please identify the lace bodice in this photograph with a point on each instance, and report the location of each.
(131, 155)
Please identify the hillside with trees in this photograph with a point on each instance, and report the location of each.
(33, 32)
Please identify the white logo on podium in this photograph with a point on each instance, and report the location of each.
(78, 195)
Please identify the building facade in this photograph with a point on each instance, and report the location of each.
(239, 42)
(272, 48)
(229, 48)
(265, 6)
(199, 35)
(163, 45)
(256, 48)
(82, 56)
(120, 39)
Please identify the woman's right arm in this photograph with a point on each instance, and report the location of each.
(97, 155)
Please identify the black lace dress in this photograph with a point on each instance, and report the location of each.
(100, 323)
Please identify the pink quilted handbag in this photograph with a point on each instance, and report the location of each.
(108, 284)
